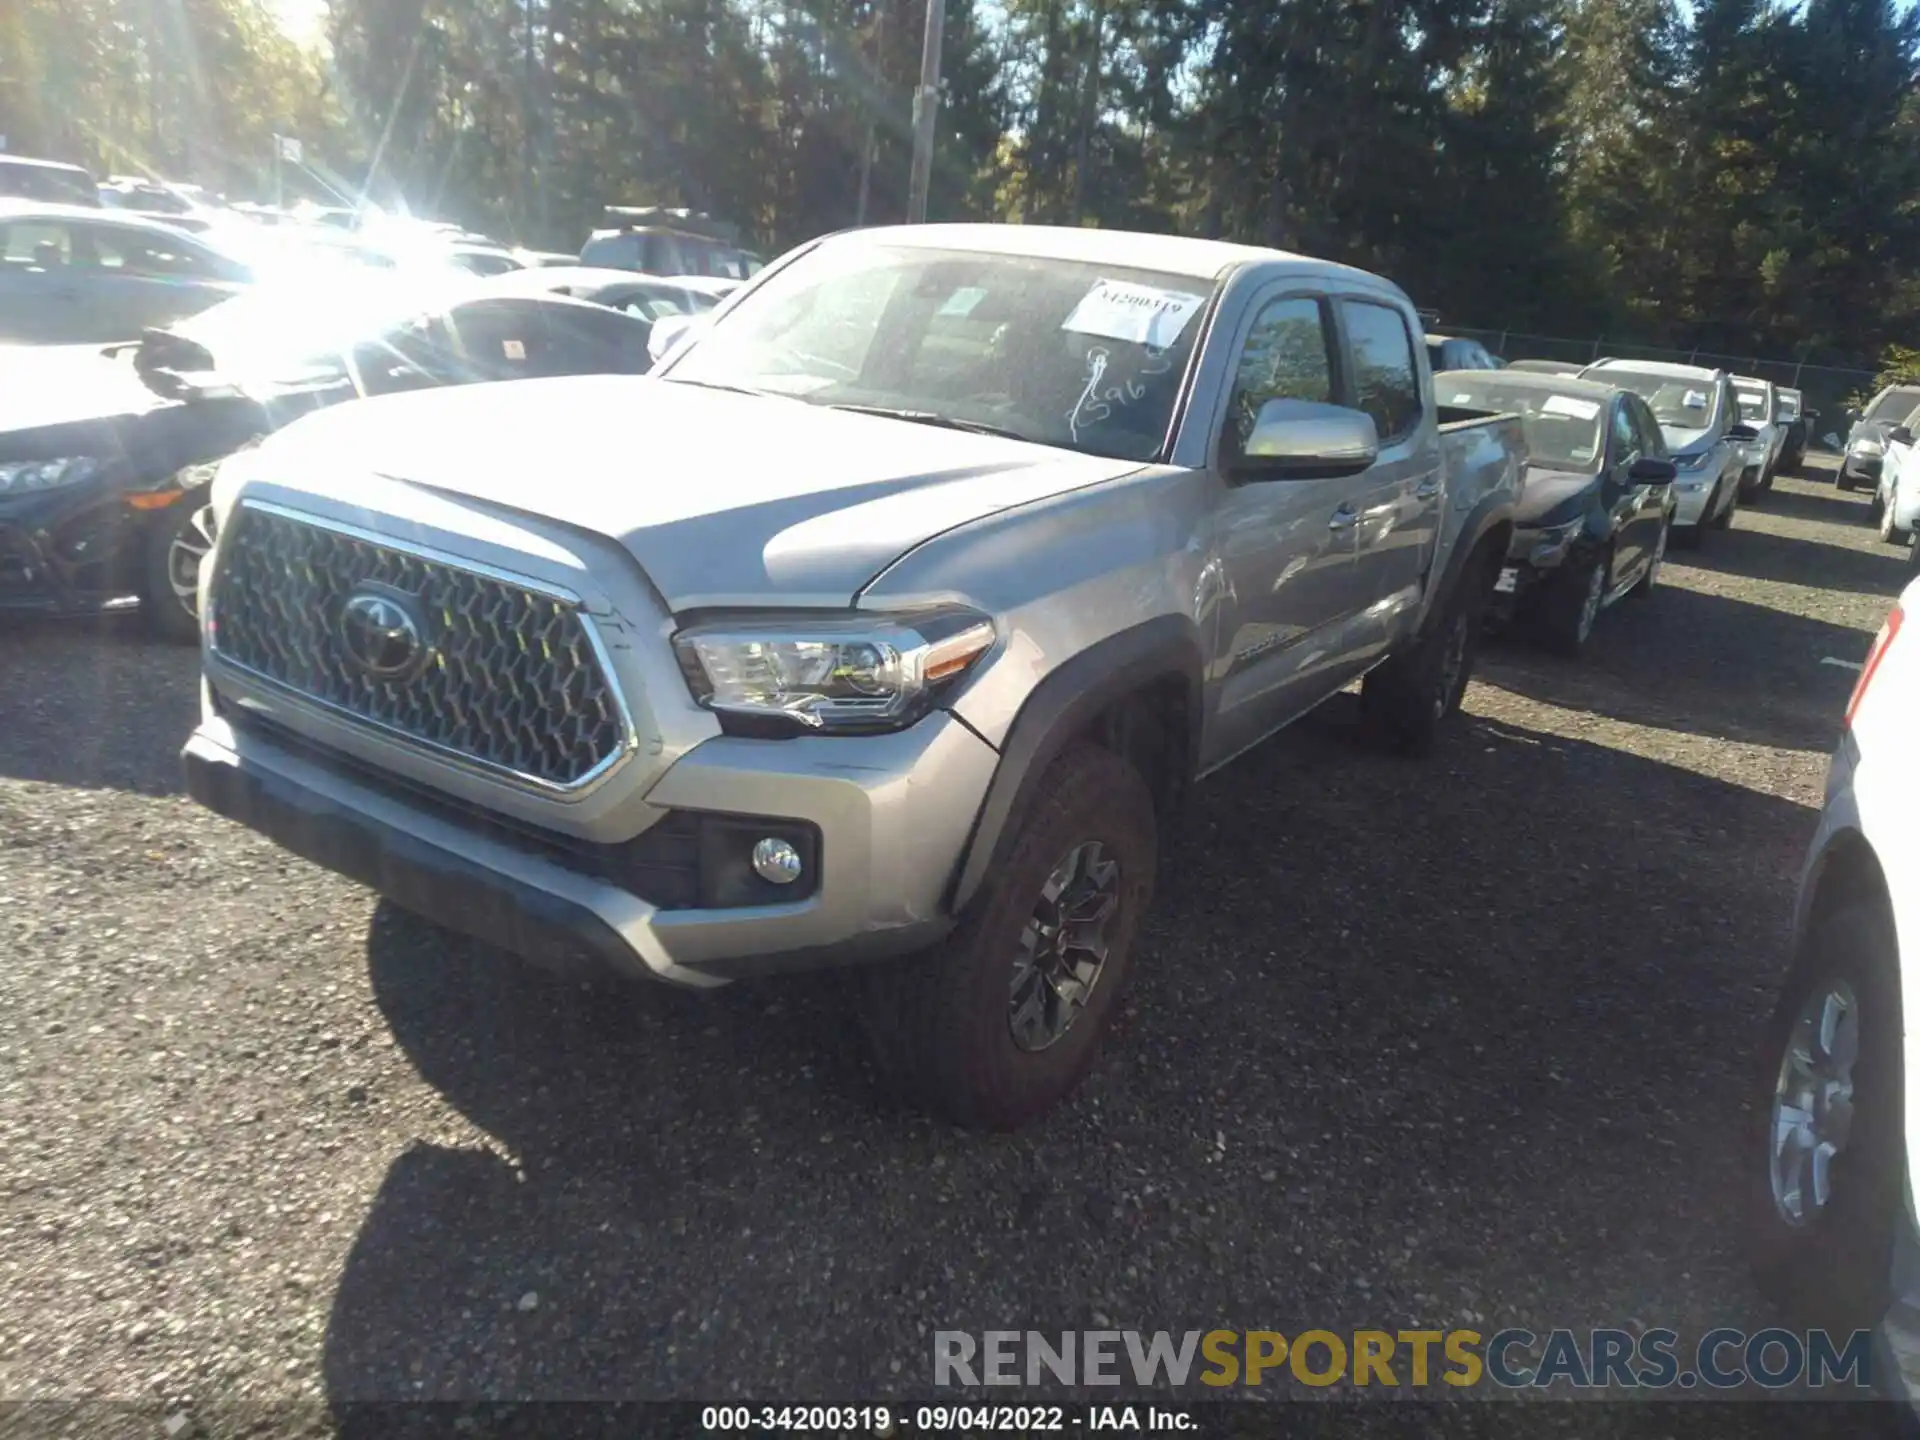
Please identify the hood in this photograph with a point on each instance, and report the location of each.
(42, 386)
(1681, 438)
(1544, 490)
(725, 500)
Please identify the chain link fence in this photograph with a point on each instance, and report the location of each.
(1825, 389)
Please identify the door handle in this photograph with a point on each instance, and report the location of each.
(1427, 488)
(1345, 518)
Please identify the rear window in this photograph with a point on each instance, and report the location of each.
(614, 252)
(50, 183)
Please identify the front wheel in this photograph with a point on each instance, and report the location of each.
(1825, 1149)
(1724, 520)
(1891, 531)
(1571, 606)
(1405, 701)
(1842, 480)
(1644, 586)
(997, 1024)
(170, 570)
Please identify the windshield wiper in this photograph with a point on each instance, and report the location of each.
(931, 417)
(734, 389)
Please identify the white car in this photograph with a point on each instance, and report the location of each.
(1896, 495)
(1830, 1179)
(1759, 405)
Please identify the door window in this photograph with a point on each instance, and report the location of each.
(1287, 357)
(1652, 443)
(42, 244)
(1385, 379)
(150, 257)
(1626, 437)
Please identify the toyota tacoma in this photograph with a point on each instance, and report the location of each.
(885, 623)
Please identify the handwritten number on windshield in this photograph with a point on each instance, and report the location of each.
(1096, 404)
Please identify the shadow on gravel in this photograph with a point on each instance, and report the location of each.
(1704, 664)
(1800, 560)
(1826, 507)
(95, 704)
(1384, 1013)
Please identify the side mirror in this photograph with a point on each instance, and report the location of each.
(1742, 432)
(669, 331)
(1304, 440)
(1900, 435)
(1649, 471)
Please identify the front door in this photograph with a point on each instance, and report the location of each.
(1284, 548)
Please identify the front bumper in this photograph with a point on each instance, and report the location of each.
(892, 815)
(1534, 557)
(1691, 493)
(1862, 467)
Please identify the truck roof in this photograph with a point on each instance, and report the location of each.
(1176, 254)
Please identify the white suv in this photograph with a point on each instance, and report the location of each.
(1830, 1181)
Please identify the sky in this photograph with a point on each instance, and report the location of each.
(302, 19)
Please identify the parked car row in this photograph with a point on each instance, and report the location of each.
(106, 455)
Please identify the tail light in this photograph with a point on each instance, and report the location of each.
(1881, 643)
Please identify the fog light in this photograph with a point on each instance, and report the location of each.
(775, 861)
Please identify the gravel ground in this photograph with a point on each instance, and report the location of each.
(1462, 1043)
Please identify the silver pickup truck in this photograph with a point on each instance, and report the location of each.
(886, 622)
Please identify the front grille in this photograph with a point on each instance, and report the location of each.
(511, 678)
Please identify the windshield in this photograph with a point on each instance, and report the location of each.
(1678, 403)
(1562, 431)
(1753, 403)
(1895, 405)
(1060, 352)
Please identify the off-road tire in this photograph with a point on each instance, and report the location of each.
(1405, 702)
(1832, 1271)
(938, 1021)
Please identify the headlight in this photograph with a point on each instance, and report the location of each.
(1695, 462)
(20, 476)
(860, 673)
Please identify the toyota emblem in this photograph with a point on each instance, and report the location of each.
(381, 636)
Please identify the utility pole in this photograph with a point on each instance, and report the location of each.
(866, 148)
(926, 107)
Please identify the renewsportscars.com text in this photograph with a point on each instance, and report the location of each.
(1603, 1358)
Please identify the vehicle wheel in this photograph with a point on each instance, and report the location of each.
(1644, 586)
(1405, 701)
(170, 571)
(1571, 605)
(1890, 531)
(1825, 1139)
(1724, 520)
(995, 1025)
(1842, 480)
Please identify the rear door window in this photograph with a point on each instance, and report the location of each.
(1386, 380)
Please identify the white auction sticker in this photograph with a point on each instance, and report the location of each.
(1571, 405)
(1143, 314)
